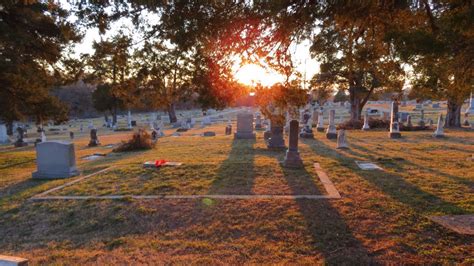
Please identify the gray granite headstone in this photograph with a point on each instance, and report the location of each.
(394, 124)
(276, 140)
(439, 132)
(3, 134)
(244, 126)
(331, 132)
(292, 157)
(55, 159)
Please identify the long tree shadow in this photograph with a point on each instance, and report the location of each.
(329, 232)
(236, 174)
(392, 184)
(398, 165)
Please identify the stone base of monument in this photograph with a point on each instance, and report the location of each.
(54, 174)
(181, 130)
(244, 135)
(306, 135)
(466, 123)
(93, 143)
(320, 129)
(438, 136)
(12, 261)
(331, 135)
(292, 160)
(395, 135)
(258, 127)
(20, 144)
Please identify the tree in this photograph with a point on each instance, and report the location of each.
(33, 36)
(112, 67)
(440, 48)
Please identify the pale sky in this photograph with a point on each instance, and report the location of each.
(245, 74)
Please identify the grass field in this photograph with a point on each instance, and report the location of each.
(381, 217)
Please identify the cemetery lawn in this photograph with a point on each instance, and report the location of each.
(381, 218)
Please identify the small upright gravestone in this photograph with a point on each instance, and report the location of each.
(268, 130)
(421, 123)
(3, 134)
(292, 157)
(409, 124)
(315, 117)
(320, 127)
(307, 131)
(466, 120)
(276, 140)
(244, 127)
(366, 121)
(439, 132)
(341, 140)
(394, 125)
(20, 142)
(94, 140)
(55, 159)
(258, 122)
(331, 132)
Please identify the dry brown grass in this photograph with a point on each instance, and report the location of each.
(380, 219)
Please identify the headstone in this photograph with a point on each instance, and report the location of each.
(341, 140)
(55, 159)
(91, 125)
(366, 121)
(165, 119)
(435, 105)
(19, 141)
(276, 140)
(292, 157)
(409, 124)
(268, 130)
(206, 121)
(258, 122)
(129, 119)
(228, 129)
(81, 128)
(470, 108)
(244, 126)
(439, 132)
(307, 131)
(466, 120)
(133, 123)
(71, 135)
(394, 125)
(3, 134)
(430, 122)
(421, 123)
(209, 134)
(320, 126)
(418, 107)
(94, 141)
(315, 117)
(331, 132)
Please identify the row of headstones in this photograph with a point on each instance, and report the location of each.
(275, 140)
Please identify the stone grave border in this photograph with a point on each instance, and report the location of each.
(332, 192)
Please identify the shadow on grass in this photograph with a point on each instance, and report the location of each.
(392, 184)
(398, 165)
(236, 174)
(329, 233)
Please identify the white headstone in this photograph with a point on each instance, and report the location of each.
(439, 132)
(3, 134)
(341, 140)
(129, 119)
(366, 121)
(470, 108)
(55, 159)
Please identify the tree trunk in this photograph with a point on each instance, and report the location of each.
(453, 116)
(114, 116)
(356, 109)
(106, 117)
(172, 113)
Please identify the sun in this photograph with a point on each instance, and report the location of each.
(252, 74)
